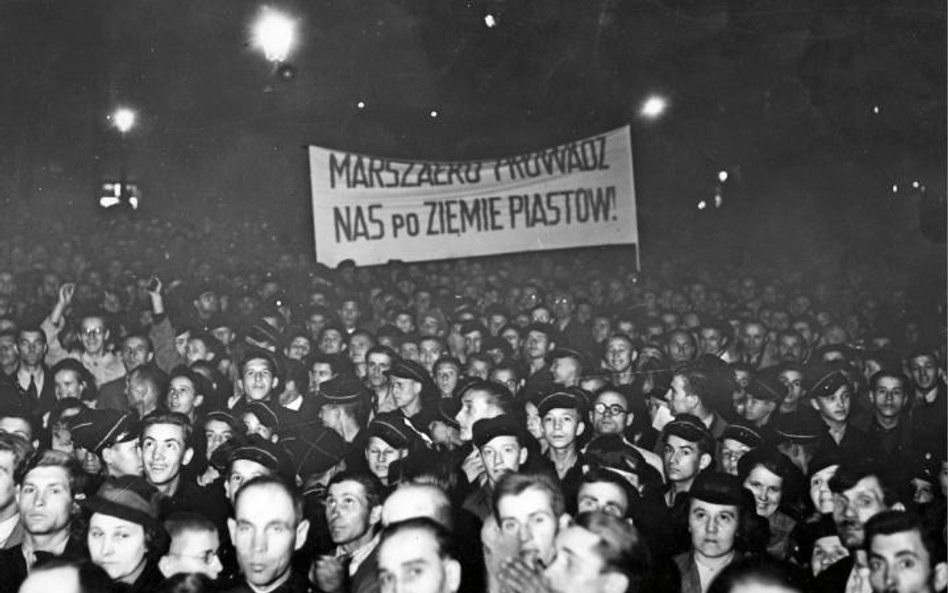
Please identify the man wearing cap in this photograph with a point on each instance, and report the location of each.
(260, 418)
(830, 394)
(929, 418)
(49, 486)
(501, 444)
(739, 438)
(113, 437)
(762, 398)
(252, 457)
(718, 513)
(688, 450)
(563, 415)
(389, 440)
(345, 410)
(411, 387)
(691, 392)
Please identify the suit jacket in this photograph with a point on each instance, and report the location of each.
(690, 580)
(834, 578)
(13, 570)
(366, 578)
(15, 538)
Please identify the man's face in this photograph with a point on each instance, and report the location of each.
(241, 472)
(507, 378)
(349, 313)
(380, 456)
(45, 500)
(790, 348)
(710, 340)
(207, 303)
(298, 348)
(67, 384)
(603, 496)
(853, 507)
(565, 371)
(7, 486)
(924, 372)
(446, 378)
(752, 337)
(681, 347)
(561, 426)
(331, 342)
(731, 453)
(429, 352)
(216, 432)
(820, 493)
(757, 410)
(900, 563)
(194, 551)
(793, 381)
(8, 351)
(536, 345)
(135, 353)
(32, 347)
(682, 459)
(181, 396)
(475, 405)
(529, 516)
(164, 452)
(826, 552)
(258, 380)
(92, 334)
(315, 323)
(579, 564)
(409, 562)
(376, 365)
(610, 414)
(319, 373)
(888, 397)
(348, 512)
(834, 407)
(405, 392)
(124, 459)
(473, 341)
(678, 398)
(713, 528)
(501, 455)
(359, 345)
(265, 533)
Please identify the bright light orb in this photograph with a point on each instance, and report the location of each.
(433, 114)
(490, 21)
(718, 200)
(123, 119)
(702, 205)
(361, 104)
(722, 176)
(654, 107)
(895, 189)
(275, 34)
(876, 109)
(915, 184)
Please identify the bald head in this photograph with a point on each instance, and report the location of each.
(417, 500)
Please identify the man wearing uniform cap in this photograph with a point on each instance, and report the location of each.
(502, 447)
(718, 516)
(563, 414)
(114, 437)
(688, 450)
(411, 388)
(738, 439)
(798, 436)
(830, 393)
(762, 398)
(254, 457)
(389, 439)
(345, 403)
(261, 418)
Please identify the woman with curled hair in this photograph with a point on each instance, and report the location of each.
(775, 483)
(124, 535)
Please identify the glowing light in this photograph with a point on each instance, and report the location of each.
(895, 189)
(876, 109)
(108, 201)
(654, 107)
(490, 21)
(361, 104)
(123, 119)
(275, 34)
(433, 113)
(718, 200)
(133, 202)
(915, 184)
(722, 176)
(702, 205)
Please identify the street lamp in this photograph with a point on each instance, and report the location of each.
(123, 119)
(275, 33)
(653, 107)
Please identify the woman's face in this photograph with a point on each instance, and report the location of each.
(117, 545)
(820, 493)
(767, 488)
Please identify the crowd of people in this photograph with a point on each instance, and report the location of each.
(199, 406)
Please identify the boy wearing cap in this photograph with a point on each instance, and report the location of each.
(688, 450)
(830, 396)
(500, 442)
(113, 437)
(410, 388)
(388, 441)
(261, 419)
(738, 439)
(762, 398)
(345, 409)
(562, 414)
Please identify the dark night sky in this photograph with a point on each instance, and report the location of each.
(780, 93)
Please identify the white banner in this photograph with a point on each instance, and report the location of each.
(373, 209)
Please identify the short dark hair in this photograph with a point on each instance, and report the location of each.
(180, 522)
(447, 547)
(92, 577)
(292, 491)
(31, 328)
(53, 458)
(621, 547)
(373, 487)
(175, 418)
(850, 472)
(891, 374)
(891, 522)
(17, 445)
(515, 484)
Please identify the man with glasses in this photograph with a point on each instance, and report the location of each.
(194, 546)
(611, 414)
